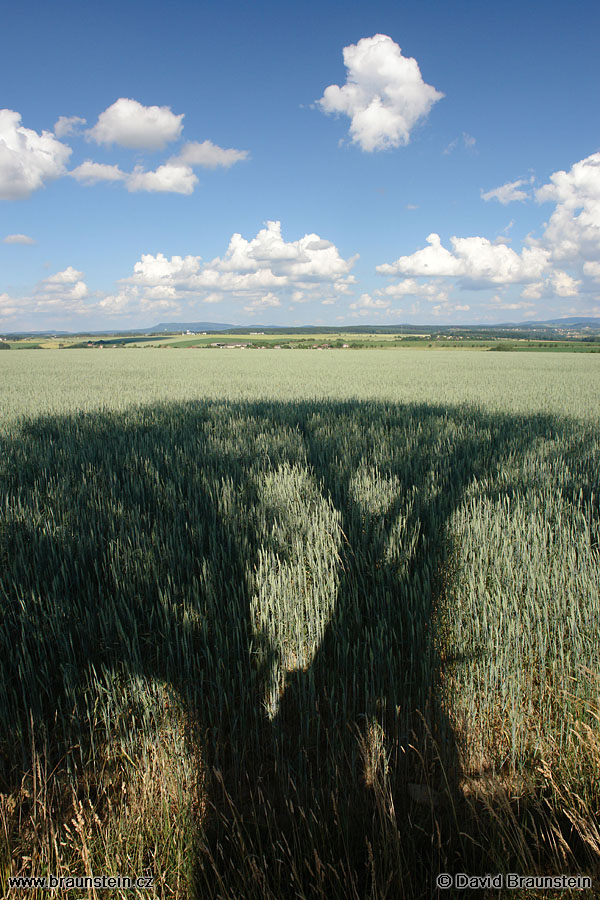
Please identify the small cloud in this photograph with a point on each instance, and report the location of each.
(130, 124)
(61, 291)
(515, 306)
(175, 176)
(592, 269)
(127, 302)
(168, 178)
(161, 292)
(66, 126)
(533, 291)
(507, 193)
(429, 290)
(503, 237)
(411, 206)
(451, 146)
(384, 95)
(18, 239)
(67, 276)
(92, 172)
(498, 302)
(208, 155)
(267, 302)
(468, 142)
(154, 306)
(564, 285)
(366, 302)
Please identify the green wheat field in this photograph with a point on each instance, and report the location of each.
(299, 625)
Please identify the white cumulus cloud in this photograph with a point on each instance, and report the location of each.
(573, 231)
(252, 269)
(27, 159)
(476, 260)
(62, 296)
(67, 276)
(507, 193)
(9, 307)
(130, 302)
(64, 286)
(431, 260)
(533, 291)
(368, 303)
(92, 172)
(592, 269)
(130, 124)
(78, 291)
(499, 303)
(18, 239)
(563, 263)
(267, 302)
(62, 292)
(208, 155)
(159, 271)
(65, 126)
(171, 177)
(564, 285)
(557, 284)
(384, 95)
(409, 287)
(175, 176)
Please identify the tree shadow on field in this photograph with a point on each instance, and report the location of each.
(131, 543)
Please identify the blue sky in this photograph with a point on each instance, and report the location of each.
(310, 163)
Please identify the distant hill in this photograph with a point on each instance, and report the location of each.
(189, 326)
(532, 329)
(575, 322)
(582, 321)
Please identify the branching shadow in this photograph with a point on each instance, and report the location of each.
(130, 542)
